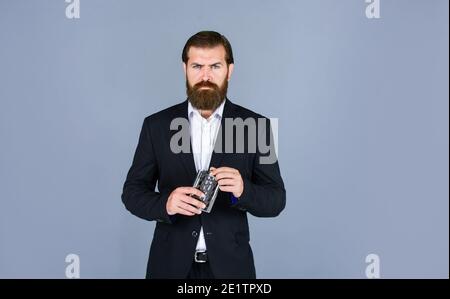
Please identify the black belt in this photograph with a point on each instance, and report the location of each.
(201, 257)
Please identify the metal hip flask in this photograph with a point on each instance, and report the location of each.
(209, 186)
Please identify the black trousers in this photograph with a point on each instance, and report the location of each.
(200, 271)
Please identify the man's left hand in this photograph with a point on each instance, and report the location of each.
(229, 180)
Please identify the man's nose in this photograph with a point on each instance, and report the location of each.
(206, 74)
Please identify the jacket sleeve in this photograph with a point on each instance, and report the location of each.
(139, 195)
(264, 194)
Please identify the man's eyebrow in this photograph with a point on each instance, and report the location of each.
(216, 63)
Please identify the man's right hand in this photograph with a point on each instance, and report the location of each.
(180, 202)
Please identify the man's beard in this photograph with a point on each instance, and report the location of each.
(206, 98)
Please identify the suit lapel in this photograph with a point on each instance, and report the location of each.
(187, 159)
(217, 157)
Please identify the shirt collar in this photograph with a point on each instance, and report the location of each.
(216, 114)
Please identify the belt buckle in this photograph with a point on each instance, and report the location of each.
(196, 259)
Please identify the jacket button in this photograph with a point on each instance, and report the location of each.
(194, 234)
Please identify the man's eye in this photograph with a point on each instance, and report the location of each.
(196, 66)
(216, 67)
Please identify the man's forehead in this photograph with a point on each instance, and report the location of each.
(216, 54)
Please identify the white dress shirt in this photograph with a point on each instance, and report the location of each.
(203, 137)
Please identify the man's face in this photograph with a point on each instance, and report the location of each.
(207, 76)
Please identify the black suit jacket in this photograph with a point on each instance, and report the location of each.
(226, 227)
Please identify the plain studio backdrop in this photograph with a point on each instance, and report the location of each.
(363, 117)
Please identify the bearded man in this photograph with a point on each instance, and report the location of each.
(189, 243)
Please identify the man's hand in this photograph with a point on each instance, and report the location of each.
(180, 202)
(229, 180)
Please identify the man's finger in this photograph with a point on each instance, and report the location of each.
(225, 175)
(184, 212)
(227, 182)
(191, 190)
(189, 208)
(227, 188)
(192, 201)
(224, 168)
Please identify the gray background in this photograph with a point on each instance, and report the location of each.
(363, 142)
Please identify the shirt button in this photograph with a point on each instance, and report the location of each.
(194, 234)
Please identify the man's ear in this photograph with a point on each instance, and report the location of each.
(230, 70)
(184, 68)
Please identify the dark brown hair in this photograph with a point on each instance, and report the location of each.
(208, 39)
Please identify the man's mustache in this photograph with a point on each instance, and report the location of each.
(205, 84)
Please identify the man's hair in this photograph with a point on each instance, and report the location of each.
(208, 39)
